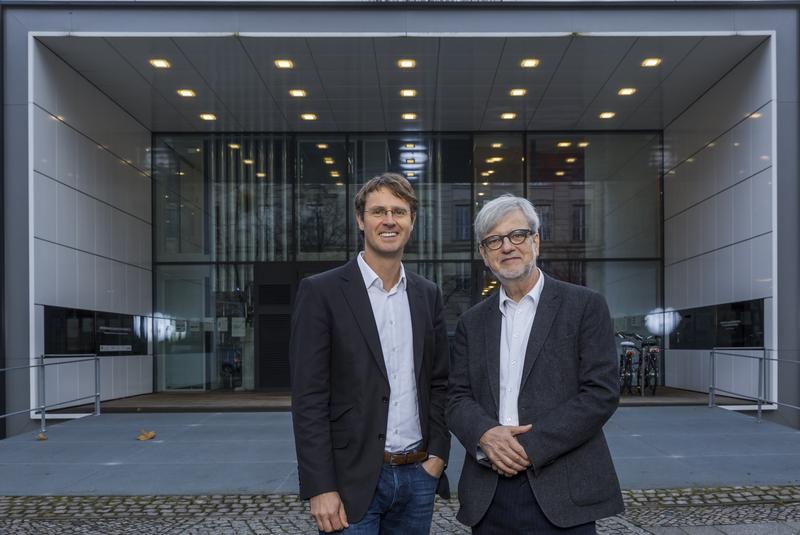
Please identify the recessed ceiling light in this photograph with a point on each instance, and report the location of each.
(518, 92)
(508, 116)
(234, 146)
(564, 144)
(328, 160)
(607, 115)
(160, 63)
(180, 173)
(406, 63)
(322, 145)
(208, 117)
(409, 145)
(626, 91)
(486, 173)
(559, 173)
(571, 160)
(335, 174)
(410, 160)
(651, 62)
(261, 175)
(490, 171)
(284, 63)
(481, 194)
(494, 159)
(529, 63)
(247, 162)
(583, 144)
(340, 184)
(497, 145)
(409, 173)
(755, 115)
(186, 93)
(484, 183)
(193, 149)
(308, 116)
(408, 92)
(298, 93)
(409, 116)
(712, 145)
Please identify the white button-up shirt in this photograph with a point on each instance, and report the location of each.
(516, 329)
(393, 319)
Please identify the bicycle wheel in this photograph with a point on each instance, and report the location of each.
(651, 375)
(626, 376)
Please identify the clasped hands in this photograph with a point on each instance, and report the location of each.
(501, 446)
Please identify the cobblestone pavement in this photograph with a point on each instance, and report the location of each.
(725, 510)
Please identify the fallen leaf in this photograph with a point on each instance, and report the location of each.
(41, 436)
(146, 435)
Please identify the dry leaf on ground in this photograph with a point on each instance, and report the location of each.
(146, 435)
(41, 436)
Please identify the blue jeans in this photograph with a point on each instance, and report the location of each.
(402, 504)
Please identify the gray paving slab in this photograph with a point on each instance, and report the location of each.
(764, 528)
(701, 530)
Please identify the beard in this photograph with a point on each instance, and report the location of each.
(512, 275)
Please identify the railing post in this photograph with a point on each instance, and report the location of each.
(96, 385)
(42, 398)
(711, 379)
(761, 363)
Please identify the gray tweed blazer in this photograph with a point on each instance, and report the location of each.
(569, 389)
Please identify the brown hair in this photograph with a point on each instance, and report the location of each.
(395, 183)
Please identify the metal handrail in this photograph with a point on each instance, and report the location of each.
(762, 377)
(40, 384)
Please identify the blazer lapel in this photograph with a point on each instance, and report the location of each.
(355, 293)
(549, 302)
(492, 329)
(416, 306)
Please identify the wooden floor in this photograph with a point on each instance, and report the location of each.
(226, 401)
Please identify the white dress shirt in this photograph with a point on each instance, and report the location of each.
(393, 319)
(516, 330)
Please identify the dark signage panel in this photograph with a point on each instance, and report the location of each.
(74, 331)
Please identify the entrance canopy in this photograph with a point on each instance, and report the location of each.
(356, 84)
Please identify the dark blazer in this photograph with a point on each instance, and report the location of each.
(340, 390)
(569, 389)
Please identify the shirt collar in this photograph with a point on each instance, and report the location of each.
(534, 294)
(370, 277)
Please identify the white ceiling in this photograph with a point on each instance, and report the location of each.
(353, 83)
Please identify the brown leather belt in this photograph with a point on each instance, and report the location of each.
(409, 457)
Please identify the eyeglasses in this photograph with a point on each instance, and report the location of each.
(516, 237)
(379, 212)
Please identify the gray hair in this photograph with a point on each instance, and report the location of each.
(496, 209)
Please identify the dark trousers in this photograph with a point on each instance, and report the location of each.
(515, 511)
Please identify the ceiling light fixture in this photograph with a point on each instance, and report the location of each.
(409, 145)
(261, 175)
(410, 160)
(570, 160)
(409, 173)
(408, 92)
(651, 62)
(484, 183)
(529, 63)
(583, 144)
(406, 63)
(626, 91)
(328, 160)
(508, 116)
(234, 146)
(564, 144)
(186, 93)
(497, 145)
(247, 162)
(322, 145)
(486, 173)
(308, 116)
(518, 92)
(297, 93)
(335, 174)
(160, 63)
(409, 116)
(560, 173)
(607, 115)
(208, 117)
(284, 63)
(755, 115)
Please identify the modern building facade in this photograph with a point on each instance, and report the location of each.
(172, 170)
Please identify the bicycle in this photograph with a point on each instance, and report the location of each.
(650, 351)
(627, 369)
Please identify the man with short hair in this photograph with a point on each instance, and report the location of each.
(533, 378)
(369, 362)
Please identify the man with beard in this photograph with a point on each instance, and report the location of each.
(533, 378)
